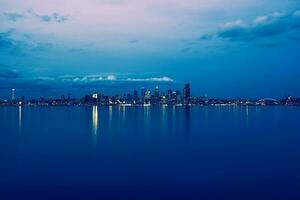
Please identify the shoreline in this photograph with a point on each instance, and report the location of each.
(145, 106)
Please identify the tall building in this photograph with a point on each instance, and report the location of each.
(135, 96)
(156, 92)
(186, 93)
(143, 91)
(169, 92)
(147, 95)
(95, 96)
(178, 96)
(13, 94)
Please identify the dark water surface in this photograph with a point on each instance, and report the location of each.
(149, 153)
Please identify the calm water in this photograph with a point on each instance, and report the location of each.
(145, 153)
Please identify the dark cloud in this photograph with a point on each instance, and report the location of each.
(21, 47)
(206, 37)
(7, 33)
(185, 50)
(133, 41)
(8, 74)
(59, 18)
(7, 43)
(10, 45)
(45, 18)
(11, 78)
(26, 88)
(54, 17)
(261, 27)
(236, 30)
(13, 16)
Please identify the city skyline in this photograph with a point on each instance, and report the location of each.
(145, 97)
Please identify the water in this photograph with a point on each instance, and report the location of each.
(149, 153)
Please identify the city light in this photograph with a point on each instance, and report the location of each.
(156, 97)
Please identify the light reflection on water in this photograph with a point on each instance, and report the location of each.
(95, 120)
(169, 117)
(20, 119)
(155, 146)
(110, 113)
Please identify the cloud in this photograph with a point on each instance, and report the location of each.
(111, 78)
(186, 49)
(154, 79)
(87, 78)
(8, 74)
(17, 44)
(54, 85)
(11, 45)
(233, 30)
(59, 18)
(133, 41)
(55, 17)
(13, 16)
(104, 78)
(5, 42)
(206, 37)
(266, 26)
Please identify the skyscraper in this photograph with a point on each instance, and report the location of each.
(13, 94)
(135, 96)
(147, 96)
(156, 92)
(143, 92)
(186, 93)
(178, 96)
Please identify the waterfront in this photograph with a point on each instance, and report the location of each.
(119, 152)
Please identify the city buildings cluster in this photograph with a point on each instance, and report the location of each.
(146, 97)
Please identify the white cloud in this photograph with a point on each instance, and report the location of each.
(154, 79)
(104, 78)
(234, 24)
(266, 26)
(111, 78)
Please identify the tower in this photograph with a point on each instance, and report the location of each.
(186, 93)
(143, 92)
(135, 95)
(13, 94)
(147, 95)
(156, 92)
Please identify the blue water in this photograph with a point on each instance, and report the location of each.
(149, 153)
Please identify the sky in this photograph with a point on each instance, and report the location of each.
(224, 49)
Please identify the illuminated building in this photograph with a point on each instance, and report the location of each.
(143, 92)
(156, 92)
(95, 96)
(186, 93)
(13, 94)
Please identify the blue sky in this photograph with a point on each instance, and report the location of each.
(234, 48)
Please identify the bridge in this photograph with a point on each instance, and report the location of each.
(269, 101)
